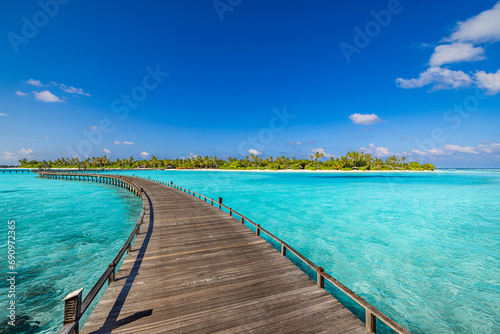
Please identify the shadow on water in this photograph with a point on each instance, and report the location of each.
(111, 321)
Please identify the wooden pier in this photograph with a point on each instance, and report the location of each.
(195, 267)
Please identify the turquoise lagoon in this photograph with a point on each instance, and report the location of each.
(421, 247)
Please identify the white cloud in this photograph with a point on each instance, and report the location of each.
(46, 96)
(9, 155)
(453, 149)
(19, 93)
(364, 119)
(2, 114)
(25, 151)
(254, 152)
(377, 151)
(460, 149)
(144, 154)
(72, 90)
(490, 148)
(116, 142)
(34, 82)
(193, 155)
(295, 143)
(107, 151)
(418, 152)
(488, 81)
(440, 78)
(321, 150)
(484, 27)
(456, 52)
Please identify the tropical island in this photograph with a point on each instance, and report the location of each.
(351, 161)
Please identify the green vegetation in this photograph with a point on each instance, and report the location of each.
(351, 161)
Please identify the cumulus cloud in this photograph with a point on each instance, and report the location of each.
(107, 151)
(144, 154)
(116, 142)
(490, 148)
(23, 152)
(440, 78)
(377, 151)
(34, 82)
(460, 149)
(484, 27)
(455, 53)
(364, 119)
(254, 152)
(46, 96)
(295, 143)
(3, 114)
(321, 150)
(462, 46)
(26, 151)
(19, 93)
(490, 82)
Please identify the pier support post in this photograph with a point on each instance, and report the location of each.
(72, 309)
(371, 322)
(320, 278)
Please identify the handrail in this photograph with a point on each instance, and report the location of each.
(371, 311)
(74, 308)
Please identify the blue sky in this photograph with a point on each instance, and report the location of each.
(230, 77)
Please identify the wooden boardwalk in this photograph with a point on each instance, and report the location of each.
(195, 269)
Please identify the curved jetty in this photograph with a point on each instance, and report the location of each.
(195, 268)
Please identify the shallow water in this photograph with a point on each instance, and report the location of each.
(66, 235)
(421, 247)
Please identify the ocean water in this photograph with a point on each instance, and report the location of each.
(421, 247)
(67, 233)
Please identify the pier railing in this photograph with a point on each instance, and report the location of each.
(74, 307)
(371, 312)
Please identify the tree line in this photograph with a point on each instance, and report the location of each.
(351, 161)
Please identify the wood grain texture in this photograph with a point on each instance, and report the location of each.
(193, 269)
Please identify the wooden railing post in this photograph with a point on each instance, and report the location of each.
(257, 229)
(371, 322)
(242, 220)
(72, 309)
(320, 278)
(220, 202)
(283, 249)
(230, 212)
(112, 274)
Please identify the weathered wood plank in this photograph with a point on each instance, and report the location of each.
(194, 269)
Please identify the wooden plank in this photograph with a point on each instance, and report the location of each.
(193, 269)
